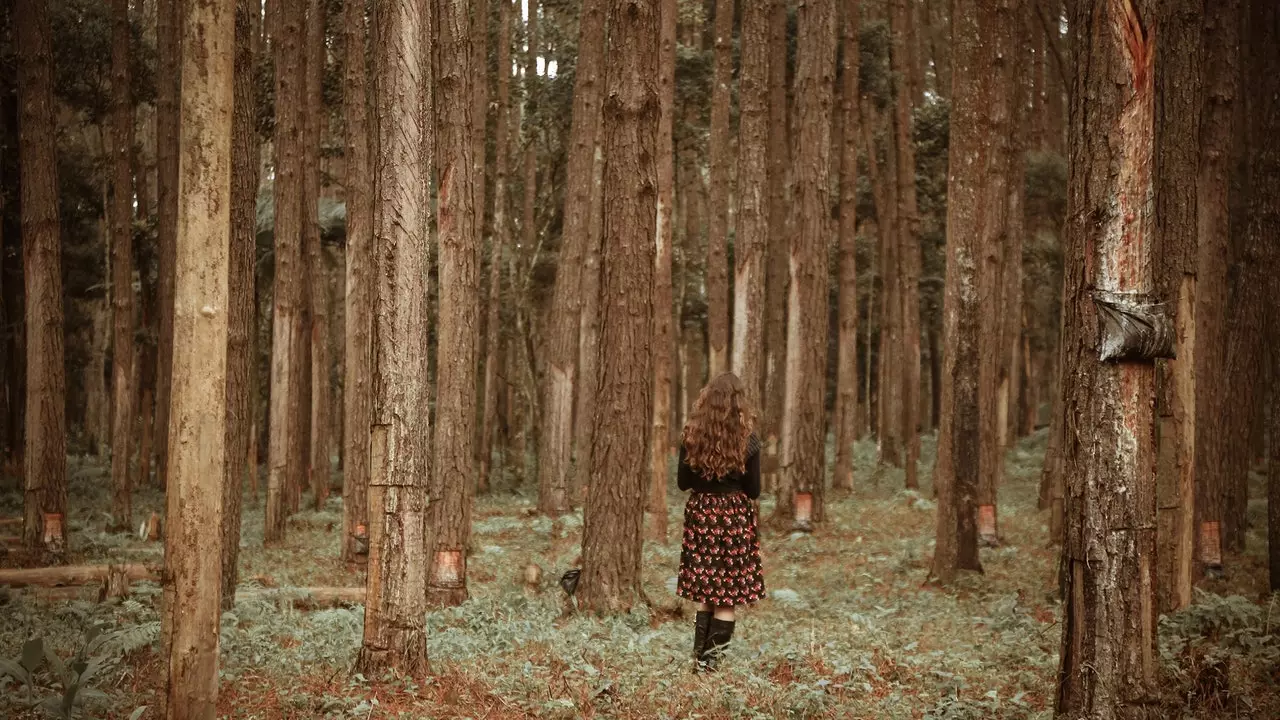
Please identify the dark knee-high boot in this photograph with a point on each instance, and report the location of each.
(719, 633)
(701, 623)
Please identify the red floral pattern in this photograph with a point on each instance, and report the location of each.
(720, 557)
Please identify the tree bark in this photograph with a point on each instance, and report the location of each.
(1220, 40)
(975, 65)
(589, 333)
(168, 87)
(663, 336)
(562, 348)
(396, 588)
(1108, 664)
(889, 384)
(45, 454)
(803, 418)
(193, 555)
(358, 309)
(240, 276)
(717, 277)
(493, 383)
(1178, 100)
(908, 227)
(453, 472)
(285, 467)
(776, 275)
(121, 216)
(612, 535)
(315, 335)
(846, 430)
(751, 241)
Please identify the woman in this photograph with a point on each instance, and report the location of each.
(720, 558)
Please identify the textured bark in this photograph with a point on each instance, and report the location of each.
(995, 225)
(975, 66)
(562, 348)
(804, 416)
(193, 554)
(45, 453)
(96, 400)
(846, 430)
(168, 85)
(1107, 667)
(1221, 63)
(358, 309)
(589, 335)
(612, 536)
(396, 588)
(121, 217)
(499, 239)
(1178, 100)
(751, 241)
(663, 335)
(1262, 57)
(776, 277)
(889, 385)
(908, 227)
(240, 283)
(285, 468)
(315, 329)
(717, 274)
(453, 470)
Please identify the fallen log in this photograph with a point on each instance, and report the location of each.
(303, 598)
(76, 574)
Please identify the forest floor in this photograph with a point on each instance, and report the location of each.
(851, 628)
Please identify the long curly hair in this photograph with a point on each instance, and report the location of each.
(718, 431)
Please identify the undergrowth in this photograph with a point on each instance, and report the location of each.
(850, 628)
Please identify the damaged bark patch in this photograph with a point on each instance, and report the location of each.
(1133, 327)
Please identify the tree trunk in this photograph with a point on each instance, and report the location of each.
(284, 461)
(589, 332)
(121, 216)
(1178, 101)
(169, 85)
(938, 26)
(888, 385)
(357, 387)
(612, 535)
(751, 241)
(45, 455)
(240, 320)
(199, 383)
(453, 471)
(493, 382)
(562, 348)
(1220, 41)
(396, 588)
(776, 276)
(1108, 664)
(803, 418)
(846, 430)
(908, 227)
(663, 336)
(717, 277)
(315, 288)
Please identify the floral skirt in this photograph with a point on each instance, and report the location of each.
(720, 557)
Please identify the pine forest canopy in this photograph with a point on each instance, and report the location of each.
(395, 311)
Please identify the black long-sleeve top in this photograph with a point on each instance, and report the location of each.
(747, 482)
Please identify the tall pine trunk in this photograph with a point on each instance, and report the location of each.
(975, 66)
(193, 554)
(45, 454)
(1178, 101)
(612, 536)
(315, 329)
(846, 425)
(908, 238)
(717, 274)
(169, 84)
(121, 217)
(663, 336)
(285, 468)
(776, 275)
(1108, 665)
(589, 331)
(453, 471)
(498, 241)
(240, 276)
(358, 309)
(561, 382)
(396, 586)
(804, 416)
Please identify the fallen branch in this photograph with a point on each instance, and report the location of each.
(75, 574)
(306, 598)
